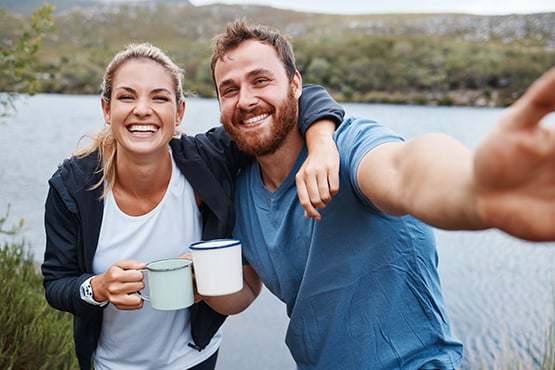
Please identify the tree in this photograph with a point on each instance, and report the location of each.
(18, 57)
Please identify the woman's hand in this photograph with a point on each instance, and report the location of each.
(120, 285)
(198, 297)
(318, 178)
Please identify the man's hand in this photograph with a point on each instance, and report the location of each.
(515, 167)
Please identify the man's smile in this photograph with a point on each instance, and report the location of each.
(255, 119)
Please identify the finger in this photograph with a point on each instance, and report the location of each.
(333, 180)
(506, 214)
(130, 265)
(120, 288)
(115, 279)
(187, 256)
(127, 271)
(196, 294)
(128, 302)
(309, 210)
(302, 192)
(198, 297)
(328, 186)
(318, 190)
(538, 101)
(129, 276)
(320, 195)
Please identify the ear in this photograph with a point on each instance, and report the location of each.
(297, 84)
(106, 111)
(180, 113)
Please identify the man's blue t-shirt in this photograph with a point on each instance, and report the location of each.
(361, 287)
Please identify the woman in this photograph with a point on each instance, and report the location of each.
(140, 192)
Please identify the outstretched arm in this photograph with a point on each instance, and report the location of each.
(508, 183)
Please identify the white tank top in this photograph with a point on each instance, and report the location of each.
(147, 338)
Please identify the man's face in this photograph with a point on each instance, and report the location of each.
(258, 102)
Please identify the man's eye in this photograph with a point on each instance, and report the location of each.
(229, 92)
(260, 81)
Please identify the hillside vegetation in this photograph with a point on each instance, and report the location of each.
(402, 58)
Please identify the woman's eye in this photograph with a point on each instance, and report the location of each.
(161, 98)
(125, 97)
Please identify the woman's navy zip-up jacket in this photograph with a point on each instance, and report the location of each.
(73, 216)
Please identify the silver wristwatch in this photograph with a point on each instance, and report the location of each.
(86, 292)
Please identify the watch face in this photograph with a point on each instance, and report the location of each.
(86, 291)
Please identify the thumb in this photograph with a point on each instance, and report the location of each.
(537, 101)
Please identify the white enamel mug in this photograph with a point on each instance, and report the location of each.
(218, 266)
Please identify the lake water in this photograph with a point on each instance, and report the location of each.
(499, 290)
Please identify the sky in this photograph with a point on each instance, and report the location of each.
(482, 7)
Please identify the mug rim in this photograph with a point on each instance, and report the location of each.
(228, 243)
(187, 260)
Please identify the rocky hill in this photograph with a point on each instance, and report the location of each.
(415, 58)
(61, 6)
(528, 29)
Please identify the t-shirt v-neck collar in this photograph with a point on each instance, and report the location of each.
(287, 182)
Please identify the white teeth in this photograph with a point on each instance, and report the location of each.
(142, 128)
(255, 119)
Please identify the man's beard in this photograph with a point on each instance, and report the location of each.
(284, 122)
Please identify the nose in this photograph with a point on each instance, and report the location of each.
(247, 99)
(142, 107)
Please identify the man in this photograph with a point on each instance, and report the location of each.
(361, 284)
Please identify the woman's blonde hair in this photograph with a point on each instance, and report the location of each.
(104, 142)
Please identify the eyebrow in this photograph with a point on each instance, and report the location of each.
(224, 84)
(154, 91)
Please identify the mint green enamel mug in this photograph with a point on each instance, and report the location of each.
(170, 283)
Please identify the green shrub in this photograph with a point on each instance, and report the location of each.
(33, 335)
(548, 359)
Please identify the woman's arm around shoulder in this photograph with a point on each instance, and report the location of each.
(318, 178)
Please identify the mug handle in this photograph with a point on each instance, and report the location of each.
(144, 297)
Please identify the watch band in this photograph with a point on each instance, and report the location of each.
(86, 293)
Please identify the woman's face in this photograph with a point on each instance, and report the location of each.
(143, 112)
